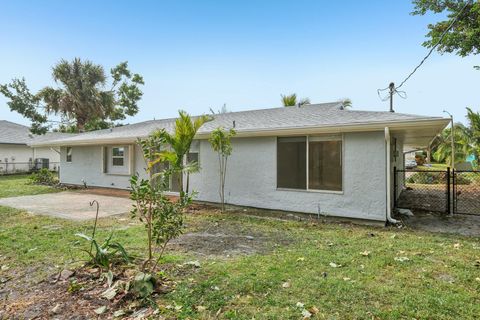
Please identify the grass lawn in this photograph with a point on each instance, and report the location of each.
(344, 271)
(18, 185)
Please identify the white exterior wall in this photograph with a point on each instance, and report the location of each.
(87, 165)
(19, 156)
(251, 178)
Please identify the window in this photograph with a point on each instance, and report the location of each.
(324, 164)
(292, 163)
(69, 154)
(192, 157)
(118, 156)
(310, 163)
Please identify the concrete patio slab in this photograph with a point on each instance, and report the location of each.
(69, 205)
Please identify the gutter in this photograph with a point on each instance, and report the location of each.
(389, 177)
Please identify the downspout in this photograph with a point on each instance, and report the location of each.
(389, 177)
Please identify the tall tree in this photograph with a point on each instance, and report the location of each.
(221, 143)
(85, 98)
(463, 37)
(291, 100)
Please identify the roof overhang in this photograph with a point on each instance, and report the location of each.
(418, 132)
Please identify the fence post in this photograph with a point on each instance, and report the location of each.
(394, 187)
(448, 190)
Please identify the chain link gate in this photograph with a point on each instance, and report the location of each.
(447, 191)
(466, 192)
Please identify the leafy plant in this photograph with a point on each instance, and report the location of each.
(107, 254)
(44, 176)
(178, 145)
(163, 218)
(220, 142)
(143, 286)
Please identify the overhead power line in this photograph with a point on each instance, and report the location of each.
(444, 33)
(394, 89)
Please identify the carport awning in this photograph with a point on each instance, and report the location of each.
(419, 136)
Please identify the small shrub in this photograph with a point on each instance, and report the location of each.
(44, 176)
(426, 177)
(106, 255)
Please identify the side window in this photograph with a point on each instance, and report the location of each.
(192, 157)
(118, 156)
(69, 154)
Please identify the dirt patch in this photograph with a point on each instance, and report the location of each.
(466, 225)
(228, 238)
(80, 296)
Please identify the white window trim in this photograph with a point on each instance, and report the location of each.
(130, 164)
(118, 157)
(337, 137)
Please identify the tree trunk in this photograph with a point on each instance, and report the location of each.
(81, 124)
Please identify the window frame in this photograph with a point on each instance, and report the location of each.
(331, 137)
(113, 157)
(67, 155)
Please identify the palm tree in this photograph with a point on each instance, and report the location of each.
(463, 144)
(346, 103)
(291, 100)
(474, 127)
(81, 97)
(179, 142)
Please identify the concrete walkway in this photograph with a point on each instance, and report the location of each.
(69, 205)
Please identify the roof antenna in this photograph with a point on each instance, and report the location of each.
(391, 86)
(234, 123)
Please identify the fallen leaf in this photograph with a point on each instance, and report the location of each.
(313, 310)
(194, 263)
(119, 313)
(365, 253)
(101, 310)
(334, 265)
(286, 284)
(401, 259)
(110, 293)
(346, 279)
(301, 259)
(201, 308)
(306, 314)
(457, 245)
(299, 305)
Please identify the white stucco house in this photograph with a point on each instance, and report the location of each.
(311, 159)
(16, 154)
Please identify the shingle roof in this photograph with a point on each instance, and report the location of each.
(14, 133)
(314, 115)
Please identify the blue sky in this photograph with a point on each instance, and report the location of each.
(196, 55)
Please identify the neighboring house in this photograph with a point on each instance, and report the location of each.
(315, 159)
(15, 153)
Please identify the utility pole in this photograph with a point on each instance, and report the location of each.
(391, 86)
(452, 139)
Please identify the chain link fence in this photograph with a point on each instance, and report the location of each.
(449, 191)
(12, 167)
(422, 190)
(466, 192)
